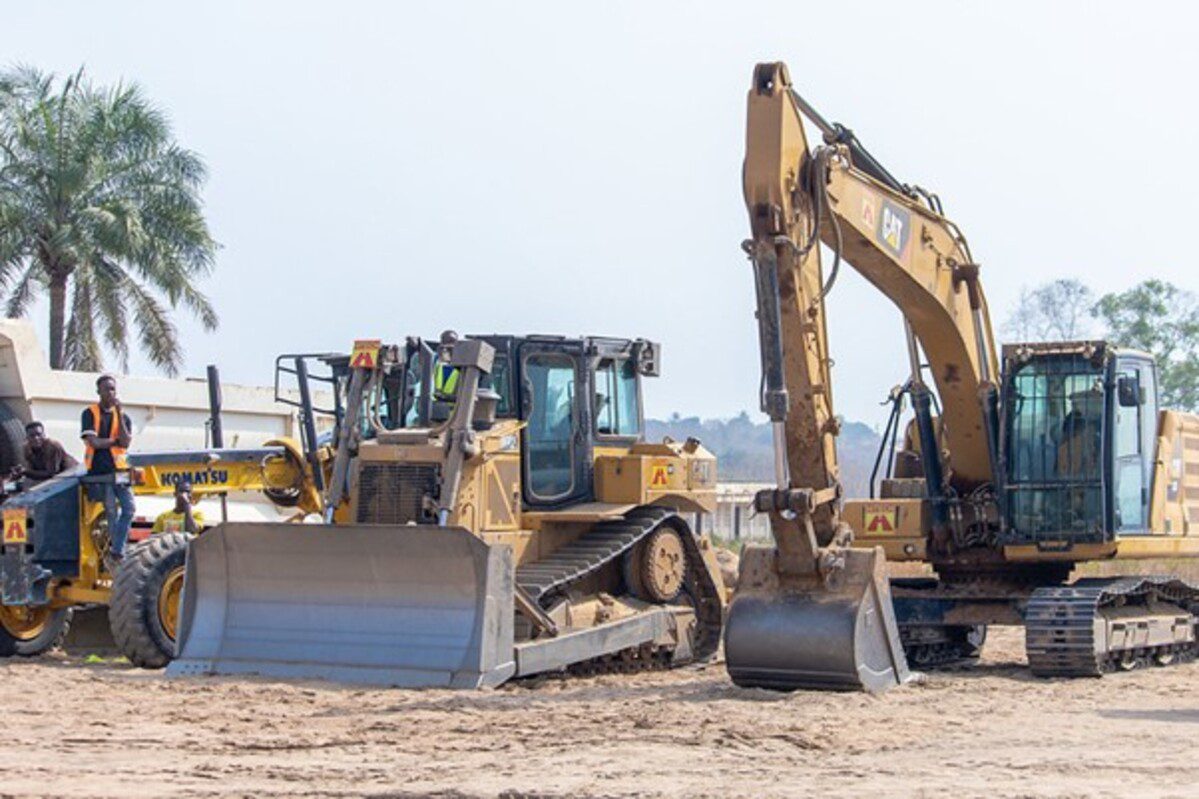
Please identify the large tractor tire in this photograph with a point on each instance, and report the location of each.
(26, 632)
(144, 609)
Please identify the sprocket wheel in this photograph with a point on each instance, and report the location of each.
(656, 568)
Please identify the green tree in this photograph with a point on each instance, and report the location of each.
(1162, 319)
(101, 208)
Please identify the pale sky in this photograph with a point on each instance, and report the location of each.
(380, 170)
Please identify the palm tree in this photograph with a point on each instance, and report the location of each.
(98, 202)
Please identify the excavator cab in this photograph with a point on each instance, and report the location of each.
(1079, 429)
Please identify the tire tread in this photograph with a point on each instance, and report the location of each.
(132, 612)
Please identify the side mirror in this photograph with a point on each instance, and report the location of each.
(649, 358)
(1128, 392)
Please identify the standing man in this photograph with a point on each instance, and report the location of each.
(44, 457)
(107, 433)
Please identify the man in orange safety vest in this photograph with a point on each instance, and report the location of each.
(107, 433)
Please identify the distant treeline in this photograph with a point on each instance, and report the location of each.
(743, 448)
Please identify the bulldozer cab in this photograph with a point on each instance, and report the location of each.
(573, 397)
(1079, 431)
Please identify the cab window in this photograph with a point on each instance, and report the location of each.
(617, 403)
(413, 391)
(389, 407)
(498, 380)
(549, 430)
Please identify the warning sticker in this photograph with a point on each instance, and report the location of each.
(365, 354)
(868, 211)
(15, 526)
(660, 476)
(880, 519)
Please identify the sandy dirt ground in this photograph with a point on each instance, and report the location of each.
(107, 730)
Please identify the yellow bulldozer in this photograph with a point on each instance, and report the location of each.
(1041, 458)
(493, 511)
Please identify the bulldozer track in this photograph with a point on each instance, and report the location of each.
(1060, 625)
(601, 545)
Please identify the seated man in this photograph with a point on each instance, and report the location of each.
(183, 518)
(1081, 442)
(44, 457)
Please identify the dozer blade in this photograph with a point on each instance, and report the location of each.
(410, 606)
(838, 638)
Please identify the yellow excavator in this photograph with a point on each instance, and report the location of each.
(493, 511)
(1020, 466)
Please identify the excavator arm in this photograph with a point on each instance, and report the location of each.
(813, 611)
(895, 237)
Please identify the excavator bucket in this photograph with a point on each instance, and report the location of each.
(839, 637)
(409, 606)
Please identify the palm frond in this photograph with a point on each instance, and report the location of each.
(22, 294)
(81, 348)
(158, 336)
(111, 306)
(201, 306)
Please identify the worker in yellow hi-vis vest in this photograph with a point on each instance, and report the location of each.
(107, 433)
(183, 518)
(445, 377)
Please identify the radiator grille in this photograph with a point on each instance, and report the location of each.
(394, 493)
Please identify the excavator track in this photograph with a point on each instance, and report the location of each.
(1062, 625)
(946, 646)
(604, 543)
